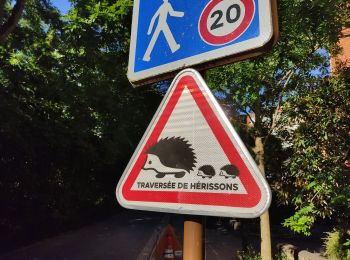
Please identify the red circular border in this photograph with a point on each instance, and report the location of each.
(220, 40)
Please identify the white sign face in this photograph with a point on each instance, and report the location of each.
(192, 161)
(169, 35)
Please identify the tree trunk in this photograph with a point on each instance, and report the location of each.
(264, 219)
(11, 23)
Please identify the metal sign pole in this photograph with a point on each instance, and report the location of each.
(193, 238)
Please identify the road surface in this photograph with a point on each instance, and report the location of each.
(121, 237)
(128, 236)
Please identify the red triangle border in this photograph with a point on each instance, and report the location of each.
(249, 200)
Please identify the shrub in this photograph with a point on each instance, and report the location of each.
(337, 245)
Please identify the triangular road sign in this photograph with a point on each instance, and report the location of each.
(191, 160)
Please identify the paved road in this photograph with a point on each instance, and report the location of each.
(122, 237)
(221, 242)
(126, 236)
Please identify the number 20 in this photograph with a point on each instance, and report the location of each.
(218, 13)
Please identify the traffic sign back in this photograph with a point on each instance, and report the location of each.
(192, 161)
(168, 35)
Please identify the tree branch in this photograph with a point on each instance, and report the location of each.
(278, 106)
(12, 21)
(283, 78)
(250, 118)
(244, 110)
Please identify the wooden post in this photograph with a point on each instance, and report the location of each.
(193, 238)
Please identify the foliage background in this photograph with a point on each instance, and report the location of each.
(69, 117)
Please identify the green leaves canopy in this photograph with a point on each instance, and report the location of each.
(268, 88)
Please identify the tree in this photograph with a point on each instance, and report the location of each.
(319, 177)
(69, 117)
(262, 86)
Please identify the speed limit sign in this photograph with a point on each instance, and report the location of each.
(169, 35)
(224, 21)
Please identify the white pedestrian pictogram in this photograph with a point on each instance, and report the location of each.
(162, 26)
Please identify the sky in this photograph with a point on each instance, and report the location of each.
(62, 5)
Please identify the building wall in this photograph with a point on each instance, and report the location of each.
(344, 56)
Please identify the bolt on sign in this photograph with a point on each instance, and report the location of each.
(169, 35)
(191, 160)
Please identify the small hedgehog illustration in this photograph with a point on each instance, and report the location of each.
(206, 171)
(173, 156)
(229, 171)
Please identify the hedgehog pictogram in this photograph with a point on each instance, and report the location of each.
(229, 171)
(172, 155)
(206, 171)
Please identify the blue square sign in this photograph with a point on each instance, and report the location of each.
(169, 35)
